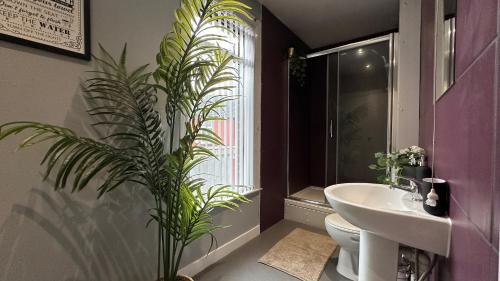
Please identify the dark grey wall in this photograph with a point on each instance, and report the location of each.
(317, 68)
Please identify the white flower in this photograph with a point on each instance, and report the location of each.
(417, 149)
(404, 151)
(413, 161)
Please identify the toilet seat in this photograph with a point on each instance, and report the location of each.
(336, 221)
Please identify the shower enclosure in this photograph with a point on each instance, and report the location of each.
(341, 117)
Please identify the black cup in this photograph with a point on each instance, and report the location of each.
(442, 189)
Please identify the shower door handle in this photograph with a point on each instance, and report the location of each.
(331, 128)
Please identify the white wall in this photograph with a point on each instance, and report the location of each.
(406, 100)
(257, 100)
(47, 235)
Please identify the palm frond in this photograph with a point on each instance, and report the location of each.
(196, 75)
(125, 103)
(70, 154)
(198, 205)
(192, 38)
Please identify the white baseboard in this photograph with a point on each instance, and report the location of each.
(199, 265)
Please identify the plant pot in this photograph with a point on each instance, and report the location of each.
(184, 278)
(180, 278)
(409, 171)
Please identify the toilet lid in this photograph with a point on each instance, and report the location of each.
(336, 221)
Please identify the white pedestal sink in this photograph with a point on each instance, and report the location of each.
(387, 217)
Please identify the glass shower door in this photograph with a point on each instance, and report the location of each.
(341, 117)
(362, 110)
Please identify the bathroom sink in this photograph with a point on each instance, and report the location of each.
(387, 217)
(391, 214)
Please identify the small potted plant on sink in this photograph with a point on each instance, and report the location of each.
(193, 73)
(411, 157)
(395, 164)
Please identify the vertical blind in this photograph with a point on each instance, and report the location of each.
(234, 163)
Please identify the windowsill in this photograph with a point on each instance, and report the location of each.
(250, 193)
(246, 190)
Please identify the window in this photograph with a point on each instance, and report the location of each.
(234, 165)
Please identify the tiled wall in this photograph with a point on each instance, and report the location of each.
(467, 150)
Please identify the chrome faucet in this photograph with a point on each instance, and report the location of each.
(413, 187)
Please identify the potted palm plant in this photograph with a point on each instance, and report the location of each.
(141, 145)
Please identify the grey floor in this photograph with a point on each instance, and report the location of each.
(242, 265)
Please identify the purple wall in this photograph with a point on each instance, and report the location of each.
(276, 38)
(466, 139)
(298, 132)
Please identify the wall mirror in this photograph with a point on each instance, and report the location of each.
(445, 23)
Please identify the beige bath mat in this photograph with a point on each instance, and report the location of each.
(302, 254)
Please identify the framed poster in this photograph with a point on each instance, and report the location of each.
(60, 26)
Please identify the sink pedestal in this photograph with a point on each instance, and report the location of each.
(378, 258)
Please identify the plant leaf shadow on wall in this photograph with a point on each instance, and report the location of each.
(196, 77)
(100, 239)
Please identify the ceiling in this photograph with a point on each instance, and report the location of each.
(321, 23)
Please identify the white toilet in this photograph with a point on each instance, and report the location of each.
(347, 237)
